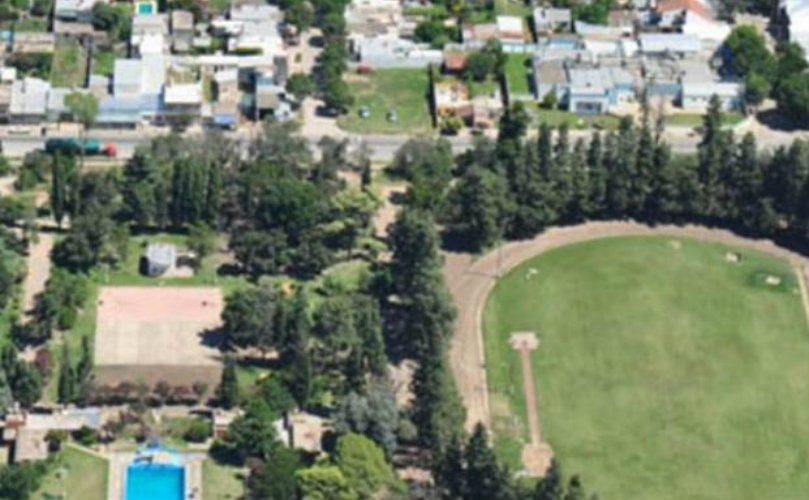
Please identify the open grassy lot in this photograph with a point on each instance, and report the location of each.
(695, 119)
(221, 482)
(487, 87)
(405, 90)
(663, 371)
(31, 24)
(517, 74)
(556, 117)
(104, 62)
(128, 273)
(69, 65)
(512, 8)
(76, 474)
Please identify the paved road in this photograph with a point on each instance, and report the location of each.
(383, 146)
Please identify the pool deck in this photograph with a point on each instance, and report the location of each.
(120, 460)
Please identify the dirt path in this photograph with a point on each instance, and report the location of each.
(386, 214)
(470, 282)
(39, 266)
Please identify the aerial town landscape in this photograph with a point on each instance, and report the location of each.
(404, 249)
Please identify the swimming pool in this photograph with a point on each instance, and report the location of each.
(145, 8)
(145, 481)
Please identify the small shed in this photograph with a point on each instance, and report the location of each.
(30, 445)
(454, 62)
(160, 258)
(306, 431)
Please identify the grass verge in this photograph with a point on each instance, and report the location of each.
(76, 475)
(403, 90)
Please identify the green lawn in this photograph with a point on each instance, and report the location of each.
(662, 373)
(695, 119)
(517, 74)
(426, 11)
(128, 273)
(69, 65)
(556, 117)
(103, 62)
(76, 474)
(487, 87)
(405, 90)
(221, 482)
(512, 8)
(220, 5)
(32, 24)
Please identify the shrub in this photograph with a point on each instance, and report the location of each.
(86, 436)
(198, 432)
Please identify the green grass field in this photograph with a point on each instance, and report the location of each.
(76, 474)
(221, 482)
(512, 8)
(556, 117)
(104, 62)
(662, 373)
(405, 90)
(517, 74)
(695, 119)
(69, 65)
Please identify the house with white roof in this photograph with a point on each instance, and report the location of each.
(551, 19)
(183, 99)
(144, 25)
(795, 14)
(150, 43)
(249, 13)
(395, 53)
(697, 96)
(375, 20)
(253, 28)
(584, 88)
(669, 43)
(137, 93)
(75, 10)
(29, 100)
(510, 30)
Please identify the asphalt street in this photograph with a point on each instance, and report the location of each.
(383, 147)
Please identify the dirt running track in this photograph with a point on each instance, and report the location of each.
(470, 281)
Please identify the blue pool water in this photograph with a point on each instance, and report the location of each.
(155, 482)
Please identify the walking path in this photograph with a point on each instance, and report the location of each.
(470, 281)
(39, 266)
(536, 455)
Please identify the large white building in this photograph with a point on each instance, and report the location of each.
(796, 14)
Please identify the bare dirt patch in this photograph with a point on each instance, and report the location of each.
(536, 455)
(387, 212)
(402, 376)
(39, 267)
(158, 333)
